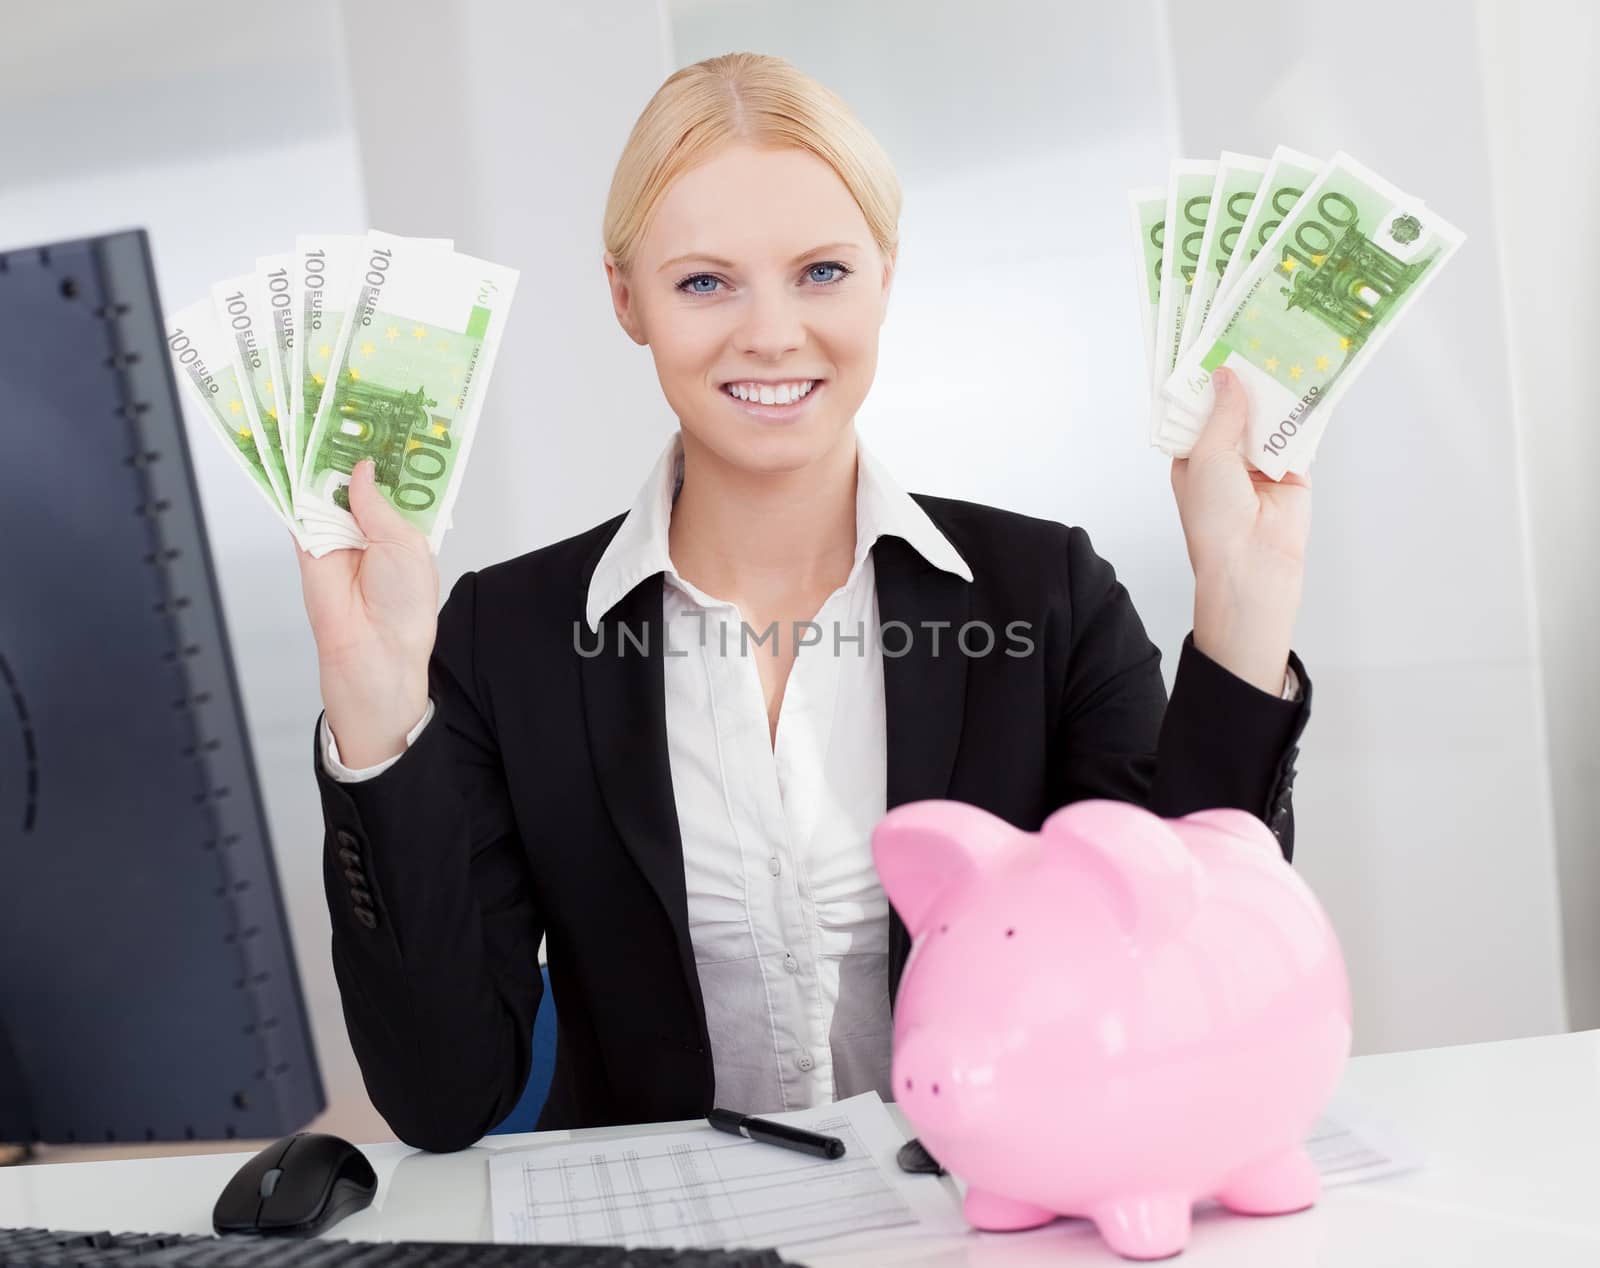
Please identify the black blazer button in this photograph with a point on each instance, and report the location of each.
(367, 917)
(356, 877)
(350, 858)
(346, 838)
(361, 897)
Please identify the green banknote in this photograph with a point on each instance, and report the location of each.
(202, 359)
(1324, 291)
(323, 281)
(1288, 174)
(321, 262)
(405, 381)
(273, 273)
(1238, 178)
(242, 317)
(1148, 207)
(1189, 186)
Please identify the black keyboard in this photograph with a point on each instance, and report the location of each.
(38, 1247)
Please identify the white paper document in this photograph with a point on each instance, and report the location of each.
(703, 1187)
(1348, 1144)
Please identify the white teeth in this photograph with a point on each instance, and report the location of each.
(767, 394)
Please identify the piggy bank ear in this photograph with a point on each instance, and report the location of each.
(1150, 875)
(924, 848)
(1237, 825)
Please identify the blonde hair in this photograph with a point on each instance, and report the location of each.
(757, 99)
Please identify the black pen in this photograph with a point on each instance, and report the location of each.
(770, 1133)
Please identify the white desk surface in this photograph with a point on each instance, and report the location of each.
(1512, 1130)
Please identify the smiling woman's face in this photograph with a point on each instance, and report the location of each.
(758, 266)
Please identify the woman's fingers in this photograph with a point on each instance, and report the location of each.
(374, 514)
(1229, 417)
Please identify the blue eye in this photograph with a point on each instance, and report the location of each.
(688, 287)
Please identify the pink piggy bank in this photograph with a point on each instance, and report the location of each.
(1114, 1017)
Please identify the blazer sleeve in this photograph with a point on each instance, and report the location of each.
(1219, 741)
(436, 927)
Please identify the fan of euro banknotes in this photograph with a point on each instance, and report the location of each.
(1290, 271)
(351, 346)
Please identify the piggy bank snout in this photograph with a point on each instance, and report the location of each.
(934, 1079)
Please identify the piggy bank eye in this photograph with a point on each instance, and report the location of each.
(944, 928)
(1011, 933)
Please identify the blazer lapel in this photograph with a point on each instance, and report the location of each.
(624, 704)
(924, 694)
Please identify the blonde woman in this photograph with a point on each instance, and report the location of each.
(663, 743)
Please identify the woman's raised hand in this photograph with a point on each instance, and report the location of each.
(373, 613)
(1247, 537)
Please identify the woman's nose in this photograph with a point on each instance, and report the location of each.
(770, 326)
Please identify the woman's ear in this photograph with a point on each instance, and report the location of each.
(622, 300)
(924, 849)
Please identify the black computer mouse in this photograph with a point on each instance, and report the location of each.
(296, 1187)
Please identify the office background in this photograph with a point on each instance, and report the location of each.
(1448, 806)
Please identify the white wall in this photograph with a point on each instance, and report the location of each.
(1542, 113)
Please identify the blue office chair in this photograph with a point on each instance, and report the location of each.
(526, 1112)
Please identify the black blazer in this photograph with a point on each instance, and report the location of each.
(539, 801)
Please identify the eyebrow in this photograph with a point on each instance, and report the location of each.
(729, 264)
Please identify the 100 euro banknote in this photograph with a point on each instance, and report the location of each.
(1229, 246)
(1233, 196)
(322, 280)
(1189, 188)
(243, 319)
(1311, 308)
(202, 357)
(1147, 208)
(405, 383)
(1289, 174)
(274, 293)
(1198, 262)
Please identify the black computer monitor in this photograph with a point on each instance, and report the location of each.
(148, 988)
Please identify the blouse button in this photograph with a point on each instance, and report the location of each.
(773, 866)
(792, 964)
(804, 1061)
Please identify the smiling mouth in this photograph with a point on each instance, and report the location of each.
(778, 394)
